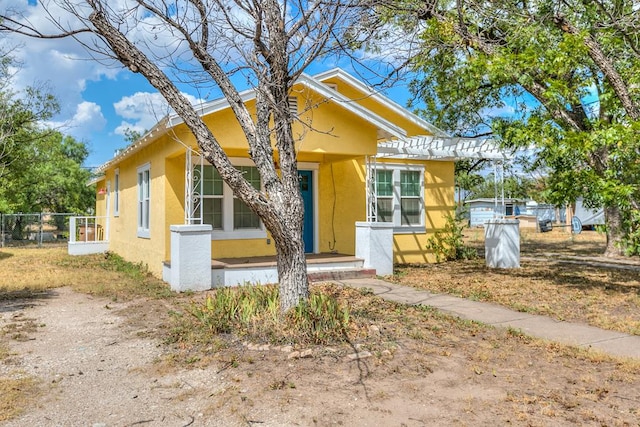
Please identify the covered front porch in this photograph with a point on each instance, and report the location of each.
(263, 269)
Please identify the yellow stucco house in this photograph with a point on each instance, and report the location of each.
(363, 159)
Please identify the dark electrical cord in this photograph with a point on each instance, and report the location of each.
(332, 246)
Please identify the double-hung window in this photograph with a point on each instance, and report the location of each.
(400, 197)
(229, 216)
(144, 198)
(116, 193)
(212, 194)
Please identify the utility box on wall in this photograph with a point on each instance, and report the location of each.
(502, 243)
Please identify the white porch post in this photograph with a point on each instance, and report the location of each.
(192, 188)
(502, 243)
(106, 225)
(374, 244)
(72, 229)
(190, 268)
(374, 240)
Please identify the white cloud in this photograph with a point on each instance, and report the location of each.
(502, 111)
(62, 64)
(88, 118)
(143, 110)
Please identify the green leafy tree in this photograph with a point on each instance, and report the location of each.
(467, 177)
(572, 72)
(513, 186)
(20, 134)
(53, 180)
(40, 169)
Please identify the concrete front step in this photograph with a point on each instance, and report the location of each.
(343, 274)
(262, 270)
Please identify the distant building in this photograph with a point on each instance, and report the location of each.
(527, 211)
(483, 210)
(588, 217)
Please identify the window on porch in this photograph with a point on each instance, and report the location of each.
(229, 216)
(400, 197)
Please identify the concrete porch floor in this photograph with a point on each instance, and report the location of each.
(270, 261)
(263, 269)
(320, 267)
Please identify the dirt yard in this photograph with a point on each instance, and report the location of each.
(76, 359)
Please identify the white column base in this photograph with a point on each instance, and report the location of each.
(190, 258)
(502, 243)
(374, 244)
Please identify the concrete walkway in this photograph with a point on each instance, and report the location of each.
(614, 343)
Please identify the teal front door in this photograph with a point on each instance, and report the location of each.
(306, 188)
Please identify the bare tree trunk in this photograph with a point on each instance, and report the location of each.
(292, 271)
(613, 221)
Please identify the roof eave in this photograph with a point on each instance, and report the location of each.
(137, 145)
(377, 95)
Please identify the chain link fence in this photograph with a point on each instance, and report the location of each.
(34, 229)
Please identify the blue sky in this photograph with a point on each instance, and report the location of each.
(98, 101)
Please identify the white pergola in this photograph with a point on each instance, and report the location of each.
(441, 148)
(431, 147)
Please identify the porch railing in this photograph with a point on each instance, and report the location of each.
(86, 229)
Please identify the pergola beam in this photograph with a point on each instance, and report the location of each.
(441, 148)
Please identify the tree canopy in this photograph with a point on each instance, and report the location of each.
(40, 169)
(51, 180)
(562, 77)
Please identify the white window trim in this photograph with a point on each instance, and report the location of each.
(143, 232)
(227, 232)
(261, 233)
(398, 228)
(116, 193)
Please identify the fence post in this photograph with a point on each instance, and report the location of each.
(72, 229)
(1, 230)
(40, 230)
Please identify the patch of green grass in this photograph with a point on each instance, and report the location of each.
(480, 295)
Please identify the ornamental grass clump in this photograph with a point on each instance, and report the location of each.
(253, 312)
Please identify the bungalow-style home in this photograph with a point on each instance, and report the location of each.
(377, 181)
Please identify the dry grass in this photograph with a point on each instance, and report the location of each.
(558, 241)
(30, 272)
(15, 395)
(604, 297)
(541, 382)
(544, 383)
(17, 390)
